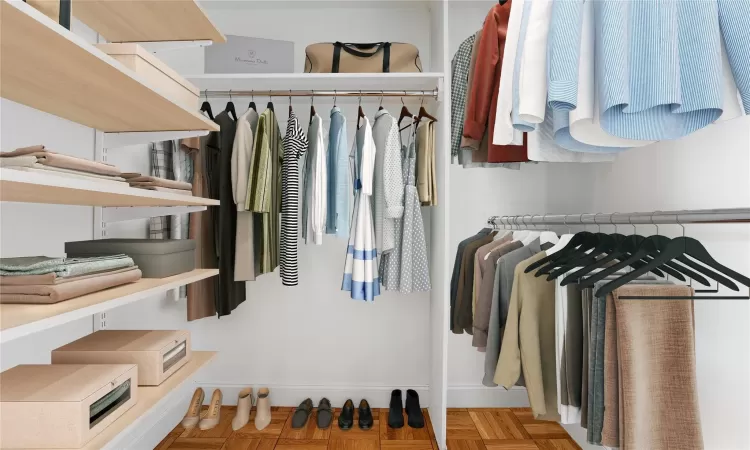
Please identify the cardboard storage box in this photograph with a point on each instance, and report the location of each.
(63, 406)
(157, 258)
(157, 74)
(158, 354)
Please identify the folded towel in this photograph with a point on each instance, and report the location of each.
(143, 180)
(62, 267)
(46, 294)
(53, 159)
(16, 163)
(658, 399)
(52, 278)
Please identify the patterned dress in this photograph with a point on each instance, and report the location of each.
(361, 267)
(295, 143)
(415, 268)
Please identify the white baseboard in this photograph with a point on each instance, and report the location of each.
(293, 395)
(479, 396)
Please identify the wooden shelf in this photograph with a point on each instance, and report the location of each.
(36, 187)
(146, 21)
(21, 320)
(425, 81)
(45, 66)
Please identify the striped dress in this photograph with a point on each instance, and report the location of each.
(295, 143)
(361, 266)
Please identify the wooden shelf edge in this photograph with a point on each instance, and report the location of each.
(22, 320)
(37, 187)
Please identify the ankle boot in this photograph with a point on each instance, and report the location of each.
(193, 414)
(413, 410)
(244, 405)
(263, 409)
(396, 410)
(214, 411)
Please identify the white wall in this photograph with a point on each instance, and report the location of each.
(311, 339)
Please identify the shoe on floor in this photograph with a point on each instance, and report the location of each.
(244, 405)
(263, 409)
(214, 411)
(396, 410)
(365, 415)
(299, 419)
(325, 414)
(346, 419)
(413, 410)
(193, 414)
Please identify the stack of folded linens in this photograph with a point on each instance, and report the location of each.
(37, 159)
(158, 184)
(43, 280)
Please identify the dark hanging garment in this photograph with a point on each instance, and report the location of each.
(231, 293)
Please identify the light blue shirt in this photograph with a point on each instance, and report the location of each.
(658, 64)
(338, 176)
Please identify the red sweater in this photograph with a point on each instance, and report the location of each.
(482, 98)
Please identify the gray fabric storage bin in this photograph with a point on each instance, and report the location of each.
(157, 258)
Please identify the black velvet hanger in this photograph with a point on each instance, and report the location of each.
(252, 103)
(229, 109)
(206, 108)
(360, 112)
(312, 107)
(380, 107)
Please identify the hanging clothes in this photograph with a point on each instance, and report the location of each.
(242, 153)
(337, 219)
(390, 263)
(502, 132)
(315, 196)
(361, 266)
(482, 100)
(295, 144)
(426, 176)
(264, 189)
(388, 179)
(733, 22)
(460, 65)
(415, 268)
(231, 293)
(201, 294)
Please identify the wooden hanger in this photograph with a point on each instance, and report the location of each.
(380, 107)
(290, 102)
(404, 112)
(423, 112)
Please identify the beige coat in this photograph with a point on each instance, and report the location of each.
(242, 153)
(529, 340)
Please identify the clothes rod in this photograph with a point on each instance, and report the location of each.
(731, 215)
(314, 93)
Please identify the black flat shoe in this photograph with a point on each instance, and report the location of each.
(346, 419)
(413, 410)
(365, 415)
(325, 414)
(299, 418)
(396, 410)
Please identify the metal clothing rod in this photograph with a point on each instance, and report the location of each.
(730, 215)
(313, 93)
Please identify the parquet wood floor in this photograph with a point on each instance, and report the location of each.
(468, 429)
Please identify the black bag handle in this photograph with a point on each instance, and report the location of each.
(347, 46)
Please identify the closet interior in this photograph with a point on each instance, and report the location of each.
(99, 150)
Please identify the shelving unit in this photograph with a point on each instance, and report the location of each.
(35, 187)
(144, 21)
(49, 68)
(21, 320)
(426, 81)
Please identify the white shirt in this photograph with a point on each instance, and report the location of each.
(533, 75)
(318, 184)
(504, 133)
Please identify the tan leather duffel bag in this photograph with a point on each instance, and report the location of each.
(343, 57)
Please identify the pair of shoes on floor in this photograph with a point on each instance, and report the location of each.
(303, 411)
(213, 415)
(415, 419)
(346, 419)
(245, 405)
(193, 415)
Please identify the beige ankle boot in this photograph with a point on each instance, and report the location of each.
(214, 410)
(244, 405)
(262, 409)
(193, 414)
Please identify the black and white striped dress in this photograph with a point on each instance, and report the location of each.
(295, 144)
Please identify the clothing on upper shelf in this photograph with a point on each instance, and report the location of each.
(295, 144)
(231, 292)
(245, 268)
(388, 179)
(361, 266)
(201, 295)
(315, 182)
(482, 99)
(48, 158)
(54, 269)
(337, 221)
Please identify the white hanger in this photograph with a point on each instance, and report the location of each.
(547, 237)
(563, 241)
(519, 234)
(533, 234)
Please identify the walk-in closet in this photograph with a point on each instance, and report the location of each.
(314, 224)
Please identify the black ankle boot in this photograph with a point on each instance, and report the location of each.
(413, 410)
(396, 410)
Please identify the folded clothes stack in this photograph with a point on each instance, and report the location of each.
(37, 159)
(43, 280)
(158, 184)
